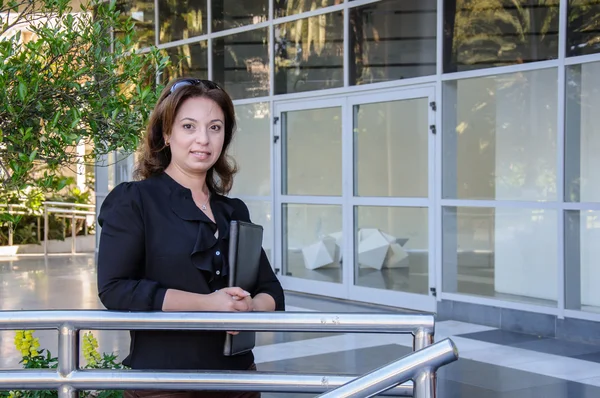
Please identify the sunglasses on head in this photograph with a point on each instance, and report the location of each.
(207, 84)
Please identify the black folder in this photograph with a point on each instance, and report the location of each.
(245, 248)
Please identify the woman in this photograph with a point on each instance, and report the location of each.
(164, 238)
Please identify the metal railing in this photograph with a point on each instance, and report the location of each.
(74, 211)
(420, 366)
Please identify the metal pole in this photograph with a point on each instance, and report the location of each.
(10, 227)
(73, 235)
(68, 355)
(39, 229)
(256, 321)
(390, 375)
(276, 382)
(425, 382)
(46, 227)
(423, 338)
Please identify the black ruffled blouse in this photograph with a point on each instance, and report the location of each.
(155, 238)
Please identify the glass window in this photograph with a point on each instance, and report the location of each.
(142, 14)
(582, 141)
(241, 63)
(392, 248)
(582, 234)
(312, 152)
(251, 149)
(229, 14)
(583, 28)
(181, 19)
(309, 54)
(482, 34)
(504, 253)
(499, 138)
(391, 40)
(189, 60)
(312, 240)
(285, 8)
(392, 148)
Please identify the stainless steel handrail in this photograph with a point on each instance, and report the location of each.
(419, 365)
(69, 379)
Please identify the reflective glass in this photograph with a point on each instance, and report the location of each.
(312, 239)
(181, 19)
(229, 14)
(189, 60)
(499, 138)
(285, 8)
(583, 33)
(312, 152)
(503, 253)
(309, 54)
(241, 63)
(483, 33)
(392, 248)
(391, 153)
(582, 141)
(392, 40)
(251, 149)
(582, 234)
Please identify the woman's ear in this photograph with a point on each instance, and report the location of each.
(166, 139)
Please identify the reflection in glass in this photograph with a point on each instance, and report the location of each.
(583, 30)
(261, 214)
(284, 8)
(189, 60)
(181, 19)
(582, 234)
(499, 139)
(392, 40)
(241, 63)
(582, 141)
(312, 152)
(483, 34)
(504, 253)
(309, 54)
(392, 248)
(229, 14)
(391, 148)
(142, 14)
(251, 149)
(312, 239)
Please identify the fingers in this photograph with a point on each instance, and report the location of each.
(233, 333)
(235, 291)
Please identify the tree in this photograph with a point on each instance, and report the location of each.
(68, 77)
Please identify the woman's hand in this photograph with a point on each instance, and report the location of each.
(231, 299)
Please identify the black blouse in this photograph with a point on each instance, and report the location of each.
(155, 238)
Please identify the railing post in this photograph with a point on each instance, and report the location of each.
(73, 234)
(68, 356)
(46, 227)
(425, 381)
(10, 227)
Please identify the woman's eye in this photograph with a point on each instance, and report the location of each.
(188, 126)
(215, 127)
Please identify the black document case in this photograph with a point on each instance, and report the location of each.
(245, 248)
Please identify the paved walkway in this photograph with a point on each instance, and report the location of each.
(493, 364)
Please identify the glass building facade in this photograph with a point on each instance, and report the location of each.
(408, 152)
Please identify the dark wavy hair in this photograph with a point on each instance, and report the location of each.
(155, 155)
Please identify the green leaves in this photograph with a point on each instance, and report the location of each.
(60, 85)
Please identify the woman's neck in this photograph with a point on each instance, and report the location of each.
(194, 182)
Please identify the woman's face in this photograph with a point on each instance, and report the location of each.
(197, 135)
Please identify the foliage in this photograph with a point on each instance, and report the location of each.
(34, 358)
(66, 79)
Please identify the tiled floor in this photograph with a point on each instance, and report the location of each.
(493, 364)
